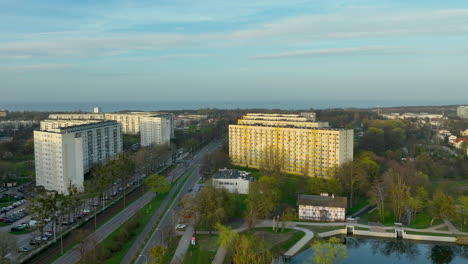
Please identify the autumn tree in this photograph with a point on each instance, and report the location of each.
(328, 252)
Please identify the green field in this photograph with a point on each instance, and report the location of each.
(204, 251)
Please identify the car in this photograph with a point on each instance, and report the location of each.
(23, 249)
(181, 226)
(45, 238)
(38, 238)
(189, 190)
(9, 221)
(48, 234)
(33, 242)
(2, 219)
(96, 204)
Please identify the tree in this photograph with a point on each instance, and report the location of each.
(8, 245)
(262, 199)
(315, 185)
(462, 210)
(158, 184)
(210, 204)
(123, 169)
(378, 194)
(157, 253)
(41, 208)
(353, 178)
(227, 237)
(442, 206)
(289, 215)
(397, 192)
(251, 250)
(328, 252)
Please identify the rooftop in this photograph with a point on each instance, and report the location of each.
(320, 200)
(232, 174)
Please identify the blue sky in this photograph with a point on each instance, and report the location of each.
(72, 51)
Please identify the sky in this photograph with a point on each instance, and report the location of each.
(253, 50)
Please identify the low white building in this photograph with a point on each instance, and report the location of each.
(233, 181)
(322, 207)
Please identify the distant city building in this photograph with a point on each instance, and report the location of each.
(155, 130)
(97, 110)
(412, 116)
(184, 121)
(64, 150)
(465, 133)
(233, 181)
(459, 142)
(3, 113)
(78, 116)
(293, 144)
(322, 207)
(130, 121)
(17, 124)
(462, 112)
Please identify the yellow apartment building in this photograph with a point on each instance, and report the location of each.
(299, 147)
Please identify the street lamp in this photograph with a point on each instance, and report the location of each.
(145, 257)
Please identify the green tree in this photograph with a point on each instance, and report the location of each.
(210, 204)
(442, 206)
(353, 177)
(462, 210)
(378, 195)
(397, 192)
(250, 249)
(262, 199)
(8, 246)
(123, 169)
(328, 252)
(157, 183)
(227, 237)
(315, 186)
(157, 253)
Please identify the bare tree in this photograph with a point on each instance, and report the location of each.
(8, 245)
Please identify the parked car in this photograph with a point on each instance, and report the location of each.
(33, 242)
(181, 226)
(23, 249)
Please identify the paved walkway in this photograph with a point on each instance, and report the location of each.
(183, 246)
(301, 243)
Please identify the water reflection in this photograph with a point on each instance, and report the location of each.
(370, 251)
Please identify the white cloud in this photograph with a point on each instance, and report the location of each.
(310, 29)
(336, 51)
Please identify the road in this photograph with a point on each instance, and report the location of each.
(105, 230)
(167, 218)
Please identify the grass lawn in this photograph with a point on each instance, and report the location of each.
(428, 234)
(459, 226)
(358, 204)
(389, 219)
(423, 220)
(321, 229)
(171, 250)
(204, 251)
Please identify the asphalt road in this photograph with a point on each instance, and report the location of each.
(105, 230)
(167, 218)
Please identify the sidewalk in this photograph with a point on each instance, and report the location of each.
(183, 246)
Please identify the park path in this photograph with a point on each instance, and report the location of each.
(183, 246)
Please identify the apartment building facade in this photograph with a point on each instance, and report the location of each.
(301, 147)
(462, 112)
(156, 130)
(65, 150)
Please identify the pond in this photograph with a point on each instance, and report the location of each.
(370, 251)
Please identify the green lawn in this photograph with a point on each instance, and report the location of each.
(204, 251)
(358, 204)
(361, 228)
(423, 220)
(171, 250)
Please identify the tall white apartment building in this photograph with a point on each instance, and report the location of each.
(296, 145)
(462, 112)
(65, 150)
(156, 130)
(78, 116)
